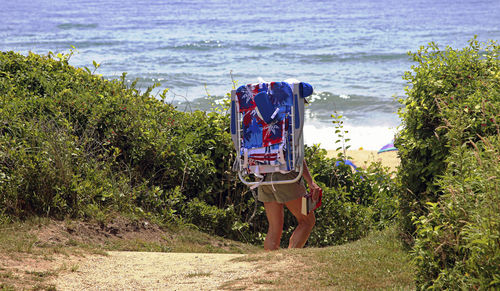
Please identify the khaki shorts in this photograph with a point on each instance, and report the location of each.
(281, 193)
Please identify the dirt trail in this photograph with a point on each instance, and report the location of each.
(158, 271)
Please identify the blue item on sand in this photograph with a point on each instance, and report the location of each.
(347, 162)
(388, 147)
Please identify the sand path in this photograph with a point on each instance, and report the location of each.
(156, 271)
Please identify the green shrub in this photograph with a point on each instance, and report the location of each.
(209, 218)
(373, 187)
(339, 220)
(443, 80)
(75, 144)
(449, 149)
(70, 138)
(458, 242)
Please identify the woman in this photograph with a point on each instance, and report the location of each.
(275, 197)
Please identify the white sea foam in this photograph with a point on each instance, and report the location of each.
(366, 137)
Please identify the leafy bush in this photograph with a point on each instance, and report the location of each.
(373, 187)
(209, 218)
(458, 242)
(75, 144)
(451, 140)
(340, 220)
(69, 138)
(444, 80)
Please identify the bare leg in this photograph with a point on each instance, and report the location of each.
(306, 223)
(275, 217)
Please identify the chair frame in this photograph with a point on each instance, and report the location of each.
(297, 149)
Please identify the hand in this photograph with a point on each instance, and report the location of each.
(315, 190)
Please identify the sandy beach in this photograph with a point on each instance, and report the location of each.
(363, 158)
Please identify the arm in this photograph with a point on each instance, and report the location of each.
(315, 189)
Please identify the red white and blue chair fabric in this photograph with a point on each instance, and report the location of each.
(266, 127)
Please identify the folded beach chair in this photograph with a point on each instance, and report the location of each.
(267, 120)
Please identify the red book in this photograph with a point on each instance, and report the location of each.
(308, 204)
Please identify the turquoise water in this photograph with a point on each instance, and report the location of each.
(354, 54)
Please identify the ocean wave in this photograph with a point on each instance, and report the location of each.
(96, 43)
(327, 102)
(200, 45)
(368, 137)
(234, 46)
(79, 26)
(322, 105)
(350, 57)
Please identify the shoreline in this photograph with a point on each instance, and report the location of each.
(369, 136)
(363, 158)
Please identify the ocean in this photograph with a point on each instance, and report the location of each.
(354, 53)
